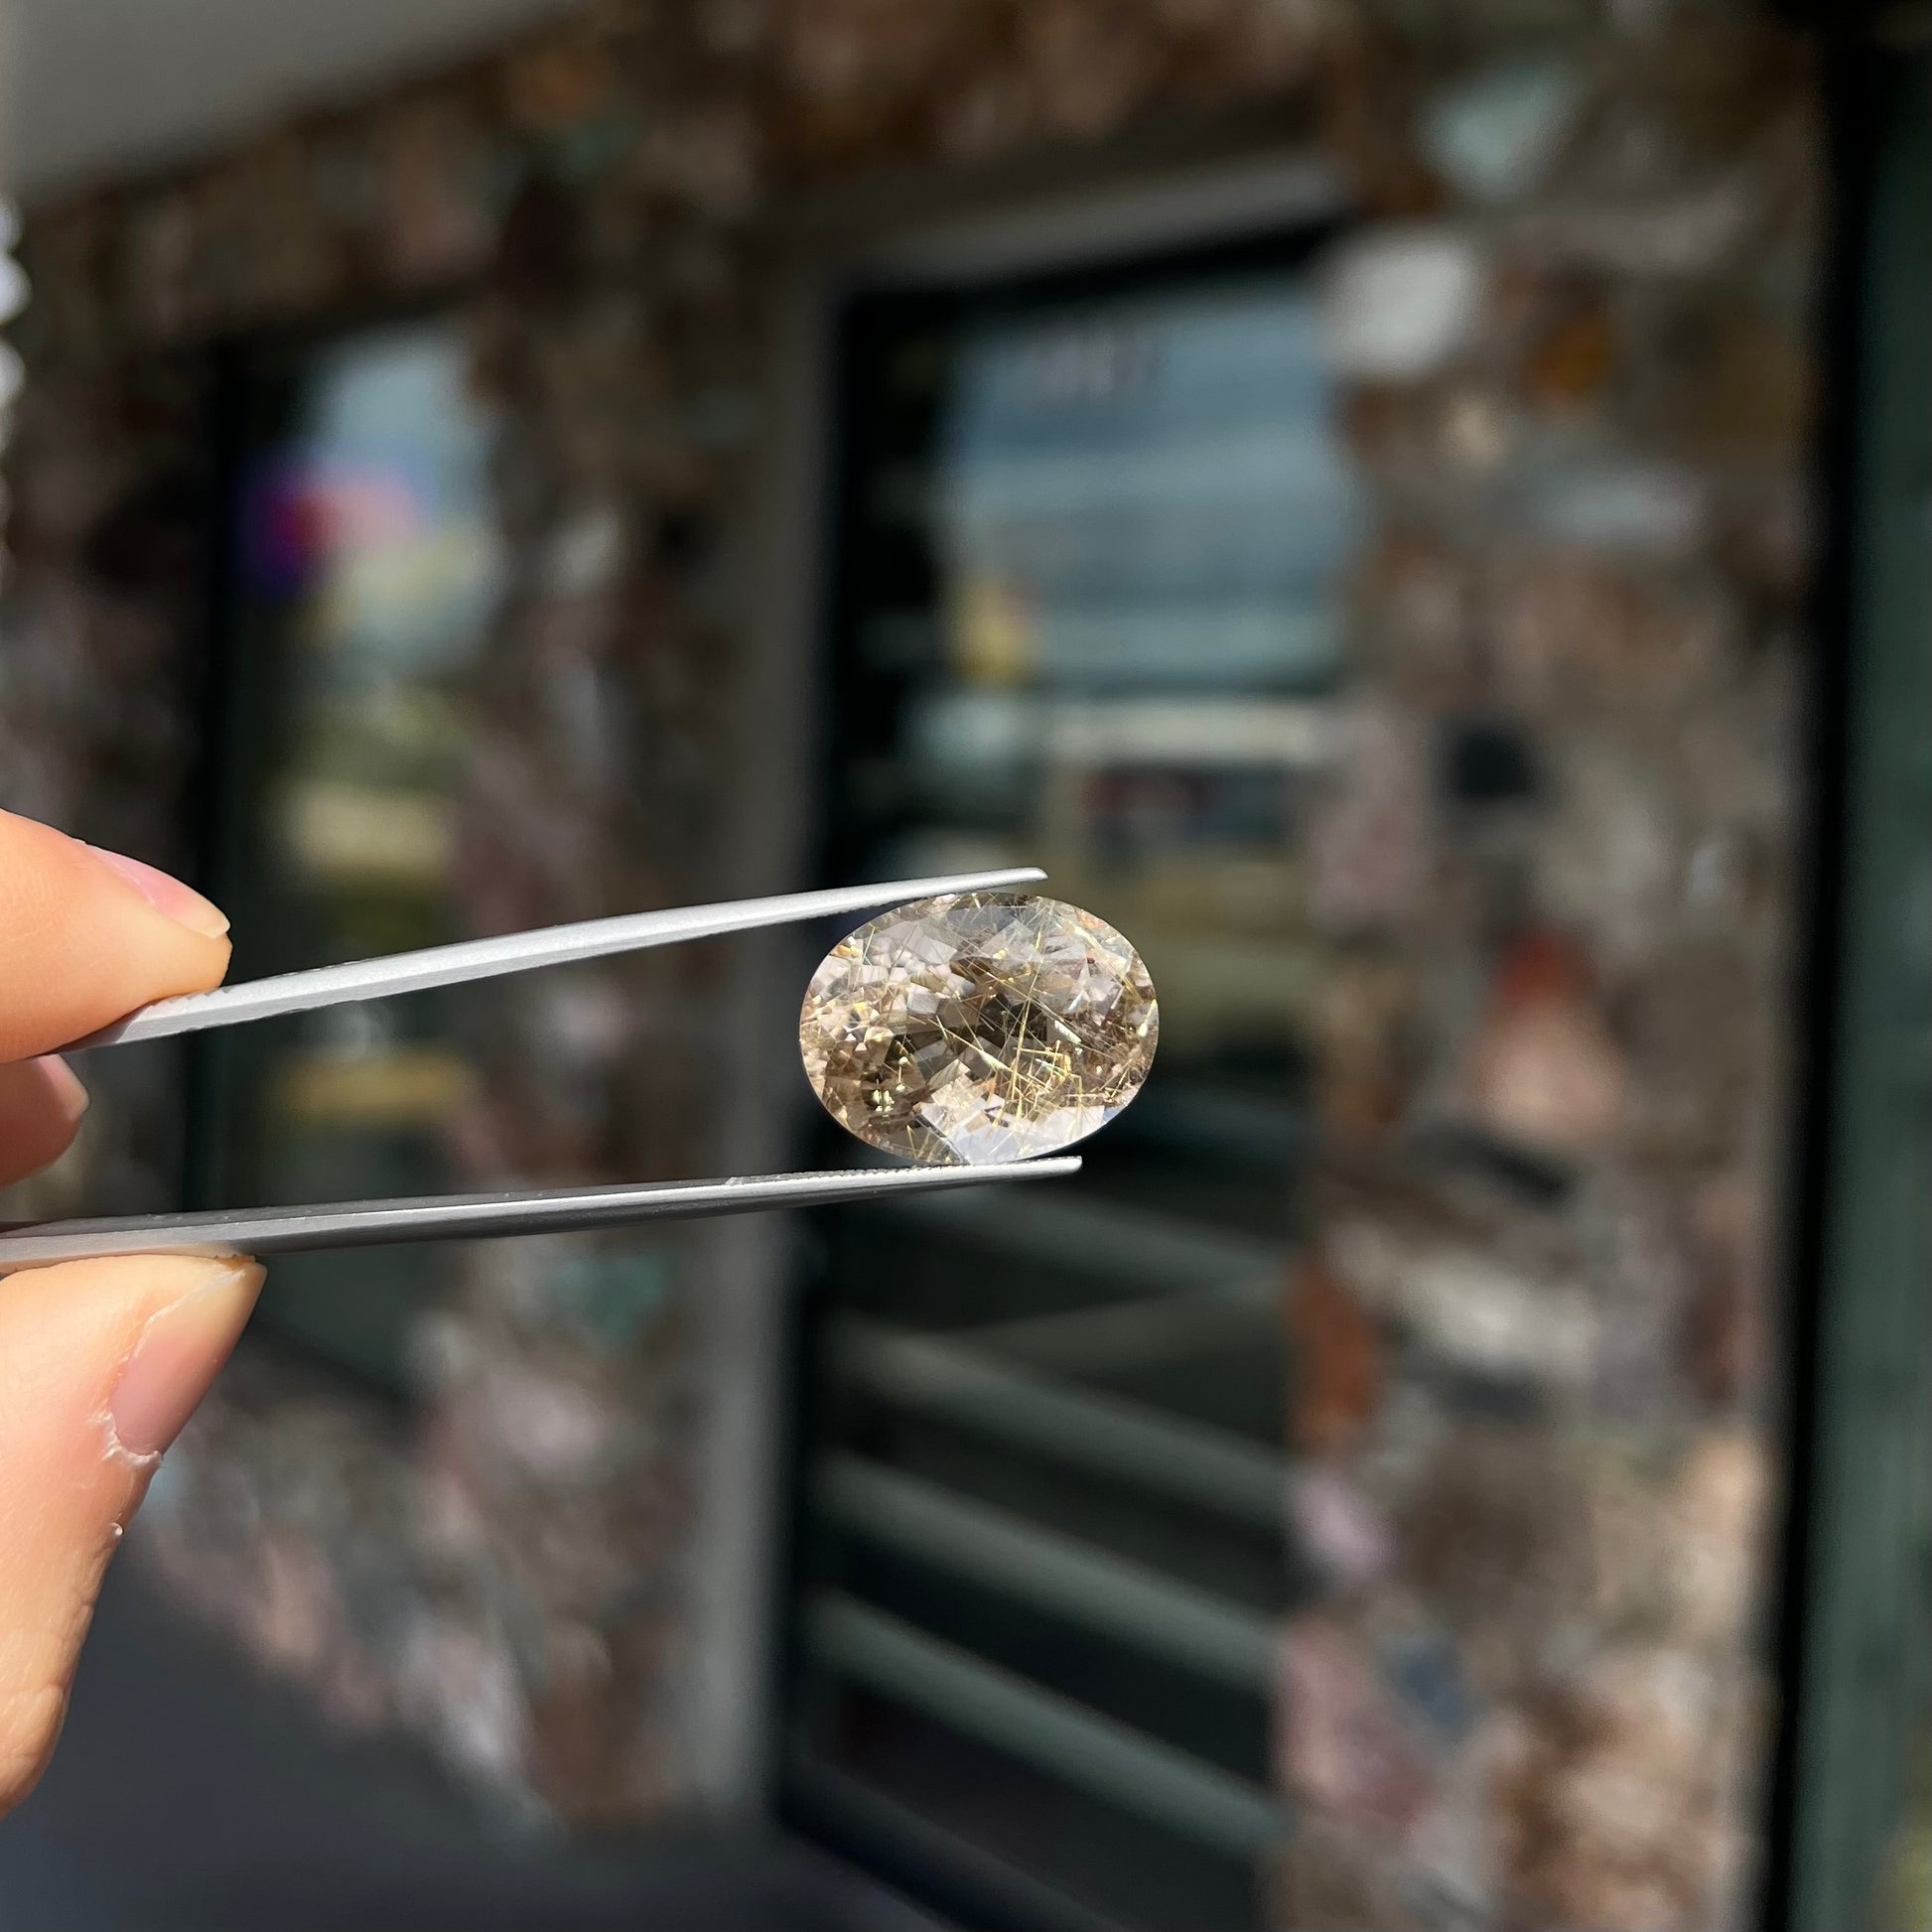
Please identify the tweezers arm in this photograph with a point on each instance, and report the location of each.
(448, 1218)
(520, 952)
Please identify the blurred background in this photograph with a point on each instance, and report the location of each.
(1417, 513)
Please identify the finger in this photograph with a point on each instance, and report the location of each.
(100, 1364)
(86, 937)
(41, 1104)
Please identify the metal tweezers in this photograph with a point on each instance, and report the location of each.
(436, 1218)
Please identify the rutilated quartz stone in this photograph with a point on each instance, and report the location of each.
(977, 1026)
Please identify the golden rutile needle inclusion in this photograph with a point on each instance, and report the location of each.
(977, 1026)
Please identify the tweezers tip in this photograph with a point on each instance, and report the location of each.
(962, 1173)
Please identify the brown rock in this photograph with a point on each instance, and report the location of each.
(1336, 1366)
(1329, 1877)
(1094, 61)
(1495, 1538)
(1727, 1339)
(1570, 362)
(1728, 384)
(1366, 1052)
(558, 84)
(1607, 1790)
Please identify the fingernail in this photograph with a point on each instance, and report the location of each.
(167, 895)
(180, 1352)
(65, 1085)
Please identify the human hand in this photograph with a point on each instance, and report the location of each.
(100, 1361)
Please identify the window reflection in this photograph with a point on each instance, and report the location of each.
(1097, 550)
(367, 572)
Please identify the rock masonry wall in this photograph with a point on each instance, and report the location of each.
(1532, 1353)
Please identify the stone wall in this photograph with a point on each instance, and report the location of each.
(1555, 871)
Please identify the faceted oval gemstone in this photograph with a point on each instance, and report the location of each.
(977, 1026)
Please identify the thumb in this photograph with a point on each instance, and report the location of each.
(101, 1362)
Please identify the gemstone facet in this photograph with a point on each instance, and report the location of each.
(977, 1026)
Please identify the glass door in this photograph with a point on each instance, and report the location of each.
(1092, 552)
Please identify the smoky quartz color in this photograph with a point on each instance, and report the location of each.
(977, 1026)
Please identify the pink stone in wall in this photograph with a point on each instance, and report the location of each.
(1545, 1071)
(1370, 840)
(1343, 1746)
(1337, 1530)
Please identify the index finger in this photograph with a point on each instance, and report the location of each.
(86, 937)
